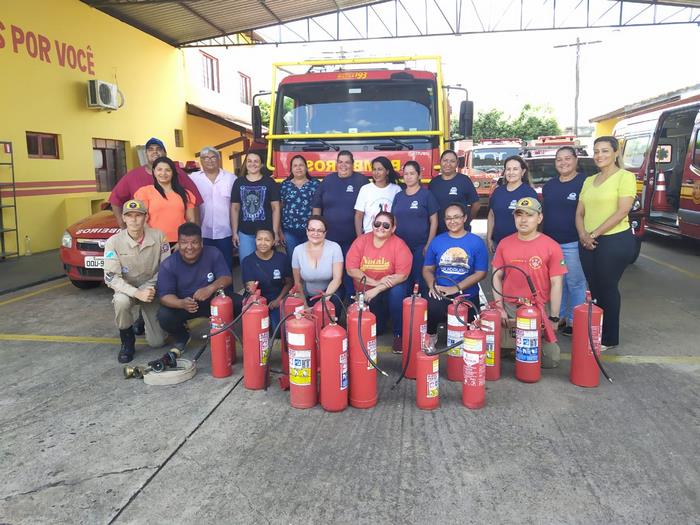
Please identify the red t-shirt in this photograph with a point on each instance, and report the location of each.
(139, 177)
(393, 257)
(541, 258)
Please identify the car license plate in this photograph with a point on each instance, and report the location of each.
(94, 262)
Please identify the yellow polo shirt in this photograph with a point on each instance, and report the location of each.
(600, 202)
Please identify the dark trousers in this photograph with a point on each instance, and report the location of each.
(225, 246)
(416, 276)
(347, 289)
(603, 268)
(172, 320)
(437, 310)
(389, 305)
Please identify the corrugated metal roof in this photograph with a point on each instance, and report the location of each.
(180, 22)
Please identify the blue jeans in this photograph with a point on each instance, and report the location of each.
(391, 300)
(574, 288)
(225, 246)
(293, 238)
(246, 245)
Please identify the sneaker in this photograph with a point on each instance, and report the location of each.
(566, 330)
(126, 352)
(397, 347)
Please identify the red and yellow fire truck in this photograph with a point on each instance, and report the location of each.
(396, 107)
(484, 163)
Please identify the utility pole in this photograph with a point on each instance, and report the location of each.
(578, 45)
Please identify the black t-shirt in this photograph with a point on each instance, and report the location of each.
(270, 274)
(255, 199)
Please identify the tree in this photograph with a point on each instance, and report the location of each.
(265, 110)
(532, 122)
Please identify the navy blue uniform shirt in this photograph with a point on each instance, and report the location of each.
(559, 202)
(502, 203)
(412, 214)
(336, 197)
(458, 189)
(270, 274)
(182, 279)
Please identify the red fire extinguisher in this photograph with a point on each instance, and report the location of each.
(256, 337)
(362, 342)
(490, 324)
(588, 330)
(220, 349)
(474, 362)
(290, 304)
(415, 326)
(457, 318)
(323, 314)
(301, 345)
(222, 307)
(528, 343)
(427, 379)
(334, 369)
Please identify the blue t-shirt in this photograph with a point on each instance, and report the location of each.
(503, 203)
(412, 214)
(457, 258)
(270, 274)
(559, 200)
(182, 279)
(296, 203)
(255, 199)
(336, 197)
(458, 189)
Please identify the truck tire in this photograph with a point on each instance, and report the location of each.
(85, 285)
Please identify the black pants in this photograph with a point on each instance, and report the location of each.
(173, 320)
(603, 268)
(437, 311)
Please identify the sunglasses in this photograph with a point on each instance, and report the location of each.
(385, 225)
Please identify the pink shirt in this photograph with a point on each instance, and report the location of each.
(216, 209)
(138, 178)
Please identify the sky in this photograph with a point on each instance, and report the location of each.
(507, 70)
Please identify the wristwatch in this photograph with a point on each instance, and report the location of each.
(554, 319)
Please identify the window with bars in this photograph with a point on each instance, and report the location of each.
(42, 145)
(210, 72)
(245, 89)
(109, 157)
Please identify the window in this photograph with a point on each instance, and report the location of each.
(210, 72)
(696, 153)
(179, 139)
(109, 157)
(634, 151)
(42, 145)
(246, 91)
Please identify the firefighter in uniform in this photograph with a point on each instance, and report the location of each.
(132, 259)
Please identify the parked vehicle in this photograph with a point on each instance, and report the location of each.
(484, 164)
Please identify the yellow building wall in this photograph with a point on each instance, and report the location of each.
(43, 93)
(605, 127)
(202, 132)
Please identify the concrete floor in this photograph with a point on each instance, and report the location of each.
(82, 445)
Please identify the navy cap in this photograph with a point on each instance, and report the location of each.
(155, 142)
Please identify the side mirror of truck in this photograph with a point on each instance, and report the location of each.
(256, 121)
(466, 118)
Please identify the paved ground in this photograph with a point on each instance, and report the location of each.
(20, 272)
(82, 445)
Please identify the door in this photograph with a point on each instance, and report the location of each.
(689, 205)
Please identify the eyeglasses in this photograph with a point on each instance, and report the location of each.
(314, 230)
(385, 225)
(454, 218)
(210, 158)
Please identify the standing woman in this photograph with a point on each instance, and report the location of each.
(169, 204)
(376, 196)
(296, 193)
(416, 213)
(607, 242)
(560, 199)
(500, 222)
(451, 186)
(255, 204)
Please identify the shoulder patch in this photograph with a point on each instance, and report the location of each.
(111, 254)
(165, 247)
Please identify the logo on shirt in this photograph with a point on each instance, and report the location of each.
(572, 196)
(453, 190)
(349, 189)
(378, 264)
(110, 255)
(165, 247)
(414, 205)
(276, 274)
(210, 277)
(125, 269)
(535, 262)
(512, 204)
(454, 261)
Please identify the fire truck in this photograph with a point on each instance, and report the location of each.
(484, 163)
(396, 107)
(662, 149)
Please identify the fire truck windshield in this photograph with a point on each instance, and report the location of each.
(356, 107)
(491, 158)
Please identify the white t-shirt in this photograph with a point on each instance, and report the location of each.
(371, 200)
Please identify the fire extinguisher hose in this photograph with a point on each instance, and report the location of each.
(590, 341)
(362, 344)
(410, 344)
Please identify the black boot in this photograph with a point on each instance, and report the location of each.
(126, 354)
(139, 325)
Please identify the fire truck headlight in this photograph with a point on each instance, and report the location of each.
(477, 184)
(66, 240)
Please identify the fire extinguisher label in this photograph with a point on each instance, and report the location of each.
(472, 345)
(373, 330)
(345, 344)
(526, 323)
(488, 326)
(474, 369)
(372, 351)
(452, 337)
(490, 361)
(265, 323)
(300, 367)
(214, 310)
(264, 338)
(526, 345)
(424, 329)
(433, 385)
(299, 308)
(343, 370)
(436, 365)
(296, 339)
(452, 320)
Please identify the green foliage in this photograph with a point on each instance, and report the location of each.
(532, 122)
(265, 110)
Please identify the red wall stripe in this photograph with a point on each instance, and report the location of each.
(56, 191)
(54, 183)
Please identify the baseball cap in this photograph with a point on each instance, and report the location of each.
(155, 142)
(529, 205)
(134, 205)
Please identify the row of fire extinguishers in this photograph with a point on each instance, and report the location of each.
(323, 362)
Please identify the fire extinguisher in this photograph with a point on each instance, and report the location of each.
(528, 344)
(323, 312)
(415, 326)
(457, 320)
(222, 307)
(290, 304)
(334, 369)
(427, 378)
(490, 324)
(474, 362)
(585, 348)
(220, 348)
(301, 345)
(256, 337)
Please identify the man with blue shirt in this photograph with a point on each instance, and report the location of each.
(454, 264)
(187, 281)
(450, 186)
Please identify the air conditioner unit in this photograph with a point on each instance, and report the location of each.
(102, 95)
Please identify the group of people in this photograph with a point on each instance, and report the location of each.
(348, 233)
